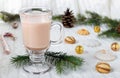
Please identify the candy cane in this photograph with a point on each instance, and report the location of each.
(5, 45)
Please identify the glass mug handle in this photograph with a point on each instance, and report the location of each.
(61, 31)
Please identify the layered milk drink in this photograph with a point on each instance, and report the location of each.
(36, 30)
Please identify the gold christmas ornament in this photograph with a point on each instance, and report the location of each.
(115, 46)
(103, 67)
(70, 40)
(83, 32)
(79, 49)
(97, 29)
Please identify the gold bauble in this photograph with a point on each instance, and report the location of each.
(115, 46)
(79, 49)
(97, 29)
(103, 67)
(83, 32)
(70, 40)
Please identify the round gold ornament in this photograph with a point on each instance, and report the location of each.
(103, 67)
(70, 40)
(97, 29)
(115, 46)
(83, 32)
(79, 49)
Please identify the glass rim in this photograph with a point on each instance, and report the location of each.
(29, 9)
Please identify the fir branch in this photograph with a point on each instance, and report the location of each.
(9, 17)
(60, 67)
(60, 60)
(81, 19)
(110, 22)
(111, 33)
(19, 61)
(73, 62)
(49, 57)
(93, 18)
(57, 18)
(63, 61)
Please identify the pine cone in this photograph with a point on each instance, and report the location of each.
(68, 19)
(118, 28)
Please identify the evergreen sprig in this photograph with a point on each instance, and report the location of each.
(63, 61)
(81, 19)
(112, 23)
(57, 17)
(93, 18)
(111, 33)
(8, 17)
(60, 60)
(20, 60)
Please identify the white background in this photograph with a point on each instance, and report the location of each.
(104, 7)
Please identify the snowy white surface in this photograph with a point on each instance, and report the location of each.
(86, 71)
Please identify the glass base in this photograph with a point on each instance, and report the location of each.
(37, 68)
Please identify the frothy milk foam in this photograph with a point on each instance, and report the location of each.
(36, 31)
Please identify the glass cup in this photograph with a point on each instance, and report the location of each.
(36, 25)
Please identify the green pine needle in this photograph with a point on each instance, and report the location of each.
(110, 22)
(111, 33)
(9, 17)
(81, 19)
(19, 61)
(61, 61)
(93, 18)
(57, 18)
